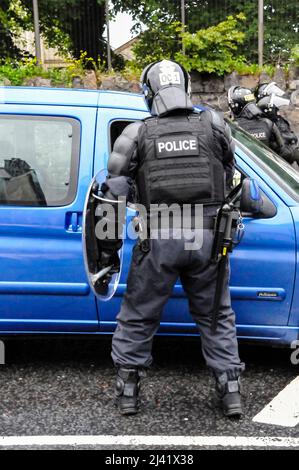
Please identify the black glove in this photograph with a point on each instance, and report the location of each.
(107, 259)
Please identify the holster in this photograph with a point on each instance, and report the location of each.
(225, 226)
(144, 235)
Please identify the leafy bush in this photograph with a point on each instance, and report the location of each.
(18, 71)
(254, 69)
(132, 70)
(213, 49)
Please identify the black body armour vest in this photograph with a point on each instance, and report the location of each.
(258, 128)
(180, 162)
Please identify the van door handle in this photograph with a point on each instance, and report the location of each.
(73, 221)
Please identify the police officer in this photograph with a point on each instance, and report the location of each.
(270, 98)
(175, 156)
(251, 118)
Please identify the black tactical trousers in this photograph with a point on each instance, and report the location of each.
(151, 279)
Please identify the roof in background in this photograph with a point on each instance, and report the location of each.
(127, 44)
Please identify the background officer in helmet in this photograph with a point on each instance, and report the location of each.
(174, 156)
(251, 118)
(270, 98)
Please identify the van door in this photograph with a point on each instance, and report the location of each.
(263, 266)
(46, 162)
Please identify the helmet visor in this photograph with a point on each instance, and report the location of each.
(280, 101)
(273, 89)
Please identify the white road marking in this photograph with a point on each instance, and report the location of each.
(283, 410)
(176, 442)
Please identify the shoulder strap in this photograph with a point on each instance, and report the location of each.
(215, 118)
(142, 131)
(203, 119)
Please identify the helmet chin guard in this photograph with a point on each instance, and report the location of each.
(169, 99)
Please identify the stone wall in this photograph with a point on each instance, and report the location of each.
(206, 88)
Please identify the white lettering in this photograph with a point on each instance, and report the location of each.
(192, 144)
(161, 146)
(295, 354)
(116, 460)
(177, 146)
(259, 135)
(169, 73)
(170, 78)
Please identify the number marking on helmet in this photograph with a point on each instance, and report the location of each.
(168, 74)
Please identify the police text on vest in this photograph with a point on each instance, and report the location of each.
(177, 146)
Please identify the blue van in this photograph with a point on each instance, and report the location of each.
(52, 143)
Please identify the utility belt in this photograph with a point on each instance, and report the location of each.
(145, 230)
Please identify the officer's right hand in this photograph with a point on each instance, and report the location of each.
(107, 260)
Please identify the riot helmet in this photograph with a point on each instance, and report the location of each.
(267, 89)
(270, 98)
(166, 86)
(267, 106)
(239, 99)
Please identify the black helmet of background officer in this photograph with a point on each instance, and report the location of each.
(267, 89)
(166, 87)
(242, 101)
(268, 107)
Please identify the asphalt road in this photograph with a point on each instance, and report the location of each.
(65, 386)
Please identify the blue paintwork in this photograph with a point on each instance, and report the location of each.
(254, 190)
(43, 285)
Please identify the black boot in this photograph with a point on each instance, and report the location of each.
(229, 394)
(126, 391)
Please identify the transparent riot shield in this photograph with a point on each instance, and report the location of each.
(96, 273)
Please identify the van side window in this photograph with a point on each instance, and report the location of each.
(116, 128)
(39, 157)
